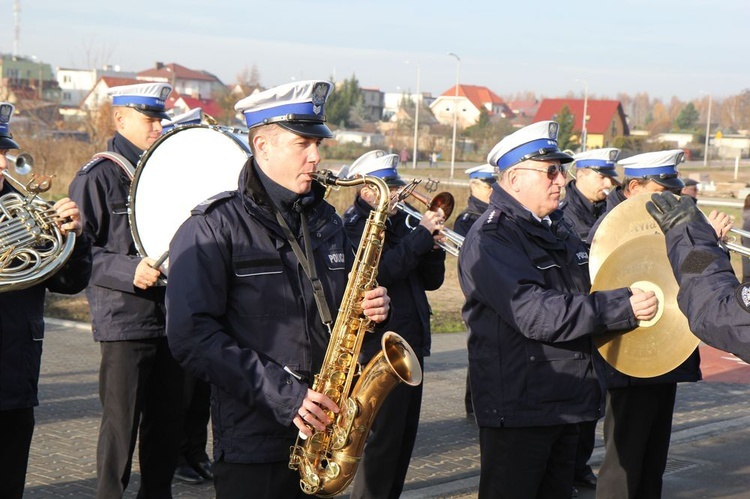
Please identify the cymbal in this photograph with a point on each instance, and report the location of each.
(624, 222)
(657, 346)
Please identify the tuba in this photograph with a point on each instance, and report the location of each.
(328, 460)
(32, 247)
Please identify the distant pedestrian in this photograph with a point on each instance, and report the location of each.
(404, 156)
(433, 159)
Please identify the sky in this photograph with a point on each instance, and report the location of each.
(682, 48)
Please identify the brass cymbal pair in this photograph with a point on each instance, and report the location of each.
(628, 250)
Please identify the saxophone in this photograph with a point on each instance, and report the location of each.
(328, 460)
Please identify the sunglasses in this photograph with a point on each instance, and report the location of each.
(551, 171)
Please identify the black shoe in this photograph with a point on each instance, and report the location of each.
(588, 480)
(186, 474)
(574, 492)
(203, 468)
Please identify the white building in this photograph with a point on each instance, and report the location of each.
(77, 83)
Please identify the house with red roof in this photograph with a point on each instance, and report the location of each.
(469, 104)
(184, 103)
(185, 81)
(605, 119)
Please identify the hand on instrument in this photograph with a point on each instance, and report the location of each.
(670, 211)
(69, 218)
(145, 275)
(376, 304)
(312, 413)
(433, 221)
(721, 222)
(644, 304)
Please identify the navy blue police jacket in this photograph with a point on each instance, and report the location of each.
(474, 208)
(408, 267)
(22, 326)
(581, 212)
(119, 310)
(688, 371)
(716, 304)
(530, 318)
(242, 315)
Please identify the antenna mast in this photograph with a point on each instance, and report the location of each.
(17, 23)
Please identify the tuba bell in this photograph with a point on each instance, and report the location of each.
(32, 246)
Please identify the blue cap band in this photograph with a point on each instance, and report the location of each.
(594, 163)
(4, 128)
(384, 173)
(481, 175)
(644, 172)
(253, 118)
(129, 100)
(513, 156)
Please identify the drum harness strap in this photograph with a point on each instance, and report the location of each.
(117, 159)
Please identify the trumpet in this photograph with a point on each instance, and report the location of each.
(22, 163)
(453, 241)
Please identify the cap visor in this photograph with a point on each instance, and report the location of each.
(8, 143)
(394, 181)
(319, 130)
(153, 113)
(669, 183)
(607, 172)
(564, 158)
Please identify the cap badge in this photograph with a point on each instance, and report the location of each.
(164, 93)
(320, 90)
(5, 113)
(552, 130)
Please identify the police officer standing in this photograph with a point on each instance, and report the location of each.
(481, 179)
(638, 414)
(585, 195)
(22, 333)
(411, 263)
(243, 313)
(140, 384)
(716, 304)
(530, 316)
(585, 202)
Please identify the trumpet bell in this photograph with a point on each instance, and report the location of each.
(445, 201)
(22, 163)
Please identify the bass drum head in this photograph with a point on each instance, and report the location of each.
(184, 167)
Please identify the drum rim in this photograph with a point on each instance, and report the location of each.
(227, 131)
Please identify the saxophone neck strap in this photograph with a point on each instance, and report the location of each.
(308, 265)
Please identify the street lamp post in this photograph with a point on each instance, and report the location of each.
(708, 131)
(416, 123)
(455, 111)
(584, 133)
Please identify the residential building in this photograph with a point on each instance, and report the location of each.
(392, 102)
(23, 78)
(365, 139)
(185, 81)
(605, 119)
(471, 100)
(75, 84)
(373, 100)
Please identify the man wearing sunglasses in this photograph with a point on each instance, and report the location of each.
(530, 316)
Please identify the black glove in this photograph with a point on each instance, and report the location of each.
(670, 211)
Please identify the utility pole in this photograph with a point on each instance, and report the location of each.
(17, 30)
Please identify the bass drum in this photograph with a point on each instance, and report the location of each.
(184, 167)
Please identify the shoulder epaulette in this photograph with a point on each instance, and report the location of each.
(114, 157)
(204, 206)
(351, 216)
(493, 219)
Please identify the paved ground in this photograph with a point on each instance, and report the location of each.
(708, 458)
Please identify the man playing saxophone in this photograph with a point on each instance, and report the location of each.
(254, 275)
(411, 264)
